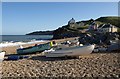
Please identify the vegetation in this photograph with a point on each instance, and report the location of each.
(113, 20)
(41, 33)
(83, 27)
(119, 30)
(76, 29)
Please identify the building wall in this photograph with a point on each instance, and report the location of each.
(107, 30)
(93, 27)
(113, 29)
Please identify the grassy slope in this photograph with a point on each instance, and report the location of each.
(113, 20)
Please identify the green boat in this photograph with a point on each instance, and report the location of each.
(33, 49)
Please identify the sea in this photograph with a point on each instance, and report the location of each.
(13, 40)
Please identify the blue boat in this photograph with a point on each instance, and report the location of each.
(16, 57)
(33, 49)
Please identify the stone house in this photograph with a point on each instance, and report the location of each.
(107, 28)
(71, 22)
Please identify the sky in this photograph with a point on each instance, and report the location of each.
(60, 0)
(19, 18)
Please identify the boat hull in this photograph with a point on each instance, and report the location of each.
(72, 51)
(33, 49)
(2, 54)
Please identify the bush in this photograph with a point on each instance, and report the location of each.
(119, 30)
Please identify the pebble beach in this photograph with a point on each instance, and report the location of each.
(38, 66)
(100, 64)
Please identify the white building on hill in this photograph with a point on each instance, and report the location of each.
(107, 28)
(72, 21)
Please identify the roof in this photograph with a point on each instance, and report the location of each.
(72, 21)
(106, 26)
(100, 26)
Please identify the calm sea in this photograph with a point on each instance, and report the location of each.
(23, 38)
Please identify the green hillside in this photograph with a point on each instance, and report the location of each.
(41, 33)
(113, 20)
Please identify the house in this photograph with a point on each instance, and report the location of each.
(72, 21)
(107, 28)
(93, 26)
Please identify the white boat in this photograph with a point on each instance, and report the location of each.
(71, 51)
(2, 54)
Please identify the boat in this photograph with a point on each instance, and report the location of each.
(2, 54)
(33, 49)
(113, 47)
(16, 57)
(71, 51)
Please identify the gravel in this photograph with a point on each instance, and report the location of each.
(94, 65)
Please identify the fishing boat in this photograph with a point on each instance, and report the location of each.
(71, 51)
(33, 49)
(113, 47)
(2, 54)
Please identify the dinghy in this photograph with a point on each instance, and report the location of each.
(33, 49)
(2, 54)
(71, 51)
